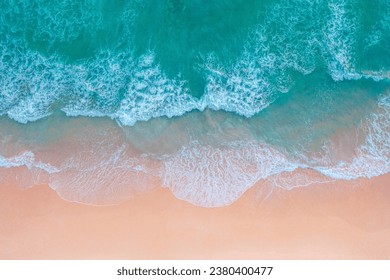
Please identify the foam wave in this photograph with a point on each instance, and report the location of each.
(245, 89)
(99, 172)
(129, 89)
(215, 177)
(373, 156)
(151, 94)
(218, 176)
(119, 87)
(293, 40)
(28, 160)
(31, 172)
(104, 171)
(97, 177)
(340, 41)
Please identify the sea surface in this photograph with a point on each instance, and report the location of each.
(104, 99)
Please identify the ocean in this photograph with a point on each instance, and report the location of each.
(102, 100)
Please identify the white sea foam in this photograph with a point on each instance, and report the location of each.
(245, 89)
(271, 53)
(31, 171)
(339, 46)
(125, 89)
(129, 89)
(28, 160)
(373, 156)
(214, 177)
(104, 172)
(151, 94)
(339, 41)
(299, 179)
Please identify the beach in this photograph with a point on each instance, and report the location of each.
(189, 129)
(340, 220)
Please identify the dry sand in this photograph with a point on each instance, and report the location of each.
(343, 220)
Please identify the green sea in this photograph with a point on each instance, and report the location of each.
(208, 98)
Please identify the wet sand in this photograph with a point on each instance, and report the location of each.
(342, 220)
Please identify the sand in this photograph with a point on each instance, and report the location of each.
(342, 220)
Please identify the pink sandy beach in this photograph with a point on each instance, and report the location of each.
(343, 220)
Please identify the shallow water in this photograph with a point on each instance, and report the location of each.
(104, 99)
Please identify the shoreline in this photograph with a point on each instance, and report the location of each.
(338, 220)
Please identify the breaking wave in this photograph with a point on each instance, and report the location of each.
(68, 59)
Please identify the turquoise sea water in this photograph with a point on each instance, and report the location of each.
(206, 97)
